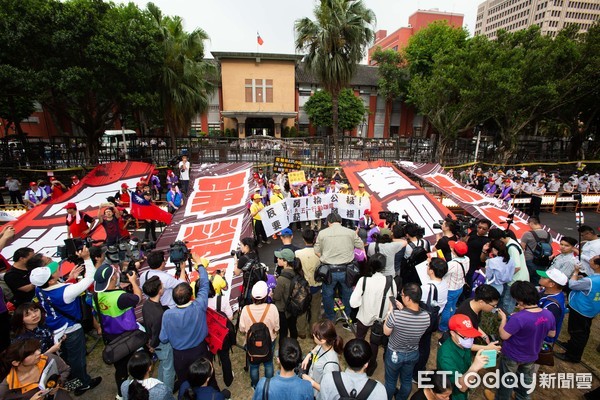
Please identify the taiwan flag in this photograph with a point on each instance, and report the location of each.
(143, 209)
(259, 39)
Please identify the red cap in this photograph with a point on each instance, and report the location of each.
(460, 248)
(309, 181)
(367, 212)
(261, 181)
(124, 186)
(140, 183)
(32, 183)
(52, 178)
(491, 179)
(462, 325)
(381, 224)
(169, 171)
(70, 205)
(74, 177)
(332, 182)
(155, 172)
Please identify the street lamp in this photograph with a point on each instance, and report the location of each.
(122, 119)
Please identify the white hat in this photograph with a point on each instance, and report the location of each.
(555, 275)
(260, 290)
(40, 276)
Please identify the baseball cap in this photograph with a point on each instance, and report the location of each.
(332, 182)
(70, 205)
(260, 290)
(124, 185)
(554, 275)
(102, 277)
(462, 325)
(460, 248)
(361, 185)
(344, 186)
(276, 187)
(286, 232)
(337, 169)
(40, 276)
(32, 183)
(367, 212)
(286, 254)
(256, 196)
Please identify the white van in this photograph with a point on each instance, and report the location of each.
(118, 141)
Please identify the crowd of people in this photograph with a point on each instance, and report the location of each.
(391, 287)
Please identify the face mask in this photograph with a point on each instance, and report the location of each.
(466, 343)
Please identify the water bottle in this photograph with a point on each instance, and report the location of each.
(394, 357)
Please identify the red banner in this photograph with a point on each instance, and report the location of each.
(476, 203)
(43, 228)
(393, 191)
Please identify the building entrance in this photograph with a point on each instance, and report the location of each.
(260, 126)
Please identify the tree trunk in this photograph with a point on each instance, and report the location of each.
(335, 116)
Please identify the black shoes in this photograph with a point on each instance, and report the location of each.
(565, 357)
(93, 383)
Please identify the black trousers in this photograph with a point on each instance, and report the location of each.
(182, 359)
(579, 331)
(150, 230)
(287, 324)
(361, 333)
(121, 372)
(259, 231)
(535, 206)
(424, 350)
(226, 366)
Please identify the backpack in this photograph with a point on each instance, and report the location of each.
(418, 254)
(432, 310)
(299, 298)
(254, 271)
(259, 346)
(217, 330)
(542, 250)
(364, 393)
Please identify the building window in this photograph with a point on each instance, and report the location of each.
(259, 90)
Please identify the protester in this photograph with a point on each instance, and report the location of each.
(223, 307)
(260, 311)
(14, 190)
(64, 313)
(455, 279)
(335, 247)
(322, 360)
(20, 372)
(122, 197)
(109, 219)
(152, 313)
(406, 323)
(583, 308)
(454, 356)
(142, 385)
(259, 230)
(552, 298)
(286, 236)
(184, 175)
(243, 266)
(522, 335)
(371, 298)
(286, 382)
(357, 354)
(476, 240)
(449, 231)
(388, 245)
(149, 224)
(174, 198)
(79, 225)
(529, 241)
(34, 196)
(116, 311)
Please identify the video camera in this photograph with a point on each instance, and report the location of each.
(463, 224)
(236, 253)
(391, 218)
(72, 247)
(179, 253)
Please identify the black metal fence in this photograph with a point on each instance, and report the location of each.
(62, 152)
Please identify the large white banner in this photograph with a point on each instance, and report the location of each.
(281, 215)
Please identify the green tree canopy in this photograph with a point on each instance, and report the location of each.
(351, 110)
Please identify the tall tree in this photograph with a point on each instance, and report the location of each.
(351, 109)
(185, 81)
(335, 42)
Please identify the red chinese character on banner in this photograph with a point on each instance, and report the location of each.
(463, 194)
(217, 195)
(213, 239)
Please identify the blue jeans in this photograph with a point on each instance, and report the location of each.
(166, 369)
(73, 352)
(506, 300)
(402, 369)
(328, 294)
(449, 309)
(254, 372)
(524, 371)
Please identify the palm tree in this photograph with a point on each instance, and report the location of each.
(335, 42)
(185, 84)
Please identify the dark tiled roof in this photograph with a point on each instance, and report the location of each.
(365, 76)
(220, 55)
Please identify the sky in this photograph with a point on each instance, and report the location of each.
(232, 25)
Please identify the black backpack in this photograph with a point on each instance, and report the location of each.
(364, 393)
(299, 298)
(542, 250)
(432, 310)
(418, 254)
(254, 271)
(259, 346)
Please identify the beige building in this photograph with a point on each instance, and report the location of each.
(258, 92)
(550, 15)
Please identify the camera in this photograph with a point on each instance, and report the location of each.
(128, 271)
(179, 252)
(236, 253)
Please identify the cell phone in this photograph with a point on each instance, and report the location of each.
(491, 354)
(393, 301)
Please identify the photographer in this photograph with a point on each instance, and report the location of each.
(476, 240)
(157, 261)
(245, 257)
(116, 311)
(449, 233)
(388, 245)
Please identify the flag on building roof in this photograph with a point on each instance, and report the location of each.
(259, 39)
(143, 209)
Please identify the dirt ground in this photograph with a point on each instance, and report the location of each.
(241, 389)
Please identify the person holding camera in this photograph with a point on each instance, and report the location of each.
(21, 375)
(116, 311)
(64, 313)
(157, 261)
(184, 174)
(449, 229)
(246, 257)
